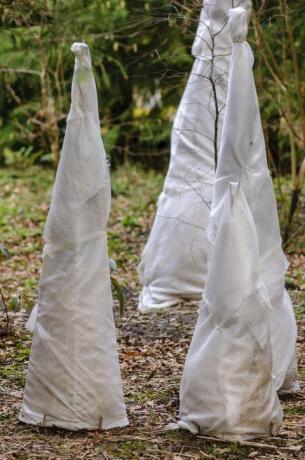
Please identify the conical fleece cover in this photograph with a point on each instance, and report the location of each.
(227, 389)
(73, 377)
(173, 264)
(243, 159)
(229, 381)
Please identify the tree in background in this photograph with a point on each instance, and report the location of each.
(141, 50)
(141, 58)
(279, 34)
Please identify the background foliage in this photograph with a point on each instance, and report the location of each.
(141, 56)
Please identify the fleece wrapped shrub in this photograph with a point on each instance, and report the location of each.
(243, 349)
(173, 264)
(73, 378)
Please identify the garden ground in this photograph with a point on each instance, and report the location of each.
(152, 347)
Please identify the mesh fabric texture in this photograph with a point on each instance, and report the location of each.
(243, 159)
(173, 264)
(243, 348)
(227, 388)
(73, 378)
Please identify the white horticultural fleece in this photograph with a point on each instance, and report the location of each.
(243, 349)
(174, 262)
(73, 379)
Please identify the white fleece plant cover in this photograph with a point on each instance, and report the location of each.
(173, 265)
(73, 377)
(243, 159)
(243, 348)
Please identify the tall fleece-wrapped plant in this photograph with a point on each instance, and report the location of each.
(73, 376)
(243, 348)
(173, 265)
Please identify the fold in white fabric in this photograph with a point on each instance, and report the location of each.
(73, 378)
(243, 348)
(227, 389)
(173, 264)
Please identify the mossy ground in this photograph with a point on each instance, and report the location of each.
(152, 348)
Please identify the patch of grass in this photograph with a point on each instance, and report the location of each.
(131, 181)
(127, 449)
(13, 369)
(174, 435)
(299, 309)
(13, 374)
(297, 410)
(130, 221)
(158, 397)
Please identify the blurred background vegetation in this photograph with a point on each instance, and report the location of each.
(141, 55)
